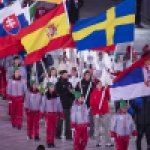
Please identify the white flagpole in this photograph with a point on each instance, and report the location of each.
(103, 93)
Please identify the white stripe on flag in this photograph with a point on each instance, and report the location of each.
(129, 92)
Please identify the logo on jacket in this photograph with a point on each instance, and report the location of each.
(52, 31)
(11, 24)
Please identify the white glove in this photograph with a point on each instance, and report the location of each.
(97, 116)
(10, 102)
(113, 140)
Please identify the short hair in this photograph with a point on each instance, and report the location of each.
(41, 147)
(86, 72)
(74, 68)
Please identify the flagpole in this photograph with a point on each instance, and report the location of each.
(64, 3)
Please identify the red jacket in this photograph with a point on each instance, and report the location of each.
(95, 98)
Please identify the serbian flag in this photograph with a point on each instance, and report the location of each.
(12, 20)
(48, 33)
(1, 1)
(132, 82)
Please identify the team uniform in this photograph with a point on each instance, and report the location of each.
(51, 108)
(80, 124)
(52, 79)
(23, 72)
(122, 126)
(33, 105)
(74, 80)
(16, 89)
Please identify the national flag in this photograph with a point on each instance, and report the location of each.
(48, 33)
(132, 82)
(42, 8)
(116, 25)
(11, 23)
(51, 1)
(1, 1)
(33, 11)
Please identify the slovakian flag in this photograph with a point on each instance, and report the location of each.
(12, 20)
(133, 82)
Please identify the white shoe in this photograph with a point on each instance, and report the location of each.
(109, 145)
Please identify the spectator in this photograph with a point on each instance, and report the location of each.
(138, 12)
(146, 50)
(52, 77)
(74, 7)
(73, 79)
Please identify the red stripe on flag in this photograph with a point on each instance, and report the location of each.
(135, 65)
(41, 22)
(53, 45)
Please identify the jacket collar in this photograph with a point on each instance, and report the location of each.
(16, 79)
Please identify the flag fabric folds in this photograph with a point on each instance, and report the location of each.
(48, 33)
(52, 1)
(116, 25)
(11, 23)
(33, 11)
(133, 82)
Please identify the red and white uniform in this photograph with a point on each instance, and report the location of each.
(32, 105)
(51, 108)
(122, 126)
(80, 125)
(16, 89)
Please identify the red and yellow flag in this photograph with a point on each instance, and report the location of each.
(48, 33)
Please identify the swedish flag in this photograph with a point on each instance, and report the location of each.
(116, 25)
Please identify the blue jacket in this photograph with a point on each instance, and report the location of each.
(140, 108)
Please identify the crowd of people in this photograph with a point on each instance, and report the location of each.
(73, 103)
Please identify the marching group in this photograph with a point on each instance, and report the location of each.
(77, 102)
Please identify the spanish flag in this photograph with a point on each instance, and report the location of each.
(48, 33)
(51, 1)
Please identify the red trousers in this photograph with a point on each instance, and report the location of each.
(3, 83)
(33, 123)
(51, 125)
(80, 138)
(122, 143)
(17, 111)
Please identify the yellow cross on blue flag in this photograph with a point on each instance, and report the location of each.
(115, 25)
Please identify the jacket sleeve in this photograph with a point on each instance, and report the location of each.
(60, 109)
(9, 73)
(25, 86)
(9, 89)
(43, 106)
(73, 117)
(113, 126)
(24, 73)
(27, 101)
(133, 128)
(91, 100)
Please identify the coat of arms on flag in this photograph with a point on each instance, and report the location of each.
(52, 30)
(11, 24)
(146, 70)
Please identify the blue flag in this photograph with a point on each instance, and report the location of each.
(116, 25)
